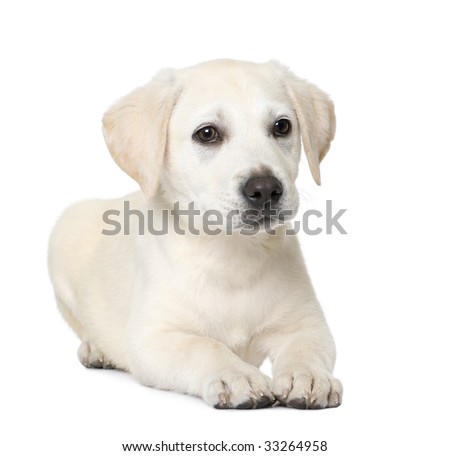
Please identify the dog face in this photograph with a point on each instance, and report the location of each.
(224, 134)
(233, 141)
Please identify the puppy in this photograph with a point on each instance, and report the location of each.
(195, 309)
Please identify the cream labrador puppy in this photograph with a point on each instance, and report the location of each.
(198, 312)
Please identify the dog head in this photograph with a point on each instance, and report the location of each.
(224, 134)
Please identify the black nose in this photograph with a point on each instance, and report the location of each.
(261, 190)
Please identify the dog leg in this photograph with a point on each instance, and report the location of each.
(200, 366)
(90, 356)
(303, 373)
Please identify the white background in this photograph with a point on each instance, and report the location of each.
(384, 286)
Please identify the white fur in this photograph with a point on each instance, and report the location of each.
(196, 313)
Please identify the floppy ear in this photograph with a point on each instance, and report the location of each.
(135, 130)
(315, 113)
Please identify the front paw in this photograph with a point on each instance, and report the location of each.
(240, 389)
(307, 389)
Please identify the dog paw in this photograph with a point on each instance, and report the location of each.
(90, 356)
(307, 389)
(240, 390)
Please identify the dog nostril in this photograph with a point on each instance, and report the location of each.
(256, 195)
(276, 192)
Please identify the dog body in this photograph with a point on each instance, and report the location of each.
(198, 313)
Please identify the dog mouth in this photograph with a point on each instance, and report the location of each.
(266, 218)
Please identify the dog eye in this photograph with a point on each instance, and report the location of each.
(207, 134)
(282, 127)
